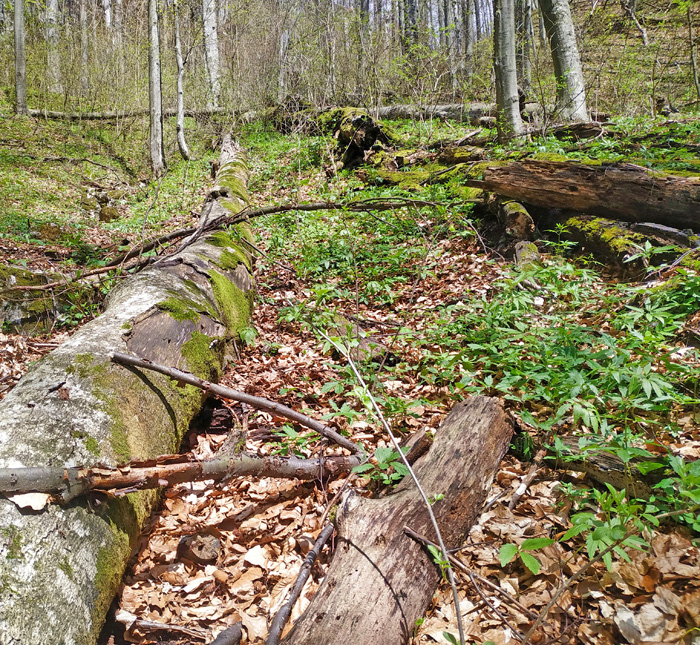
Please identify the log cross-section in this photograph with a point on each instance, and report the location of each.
(59, 569)
(380, 580)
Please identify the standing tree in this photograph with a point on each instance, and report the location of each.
(508, 120)
(571, 89)
(53, 59)
(154, 92)
(20, 61)
(181, 142)
(211, 50)
(84, 81)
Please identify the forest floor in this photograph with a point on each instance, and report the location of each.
(570, 348)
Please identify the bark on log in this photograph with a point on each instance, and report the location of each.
(113, 116)
(467, 112)
(60, 569)
(381, 581)
(624, 192)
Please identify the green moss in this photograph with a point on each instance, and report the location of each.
(128, 325)
(65, 566)
(235, 305)
(409, 180)
(619, 239)
(13, 542)
(230, 259)
(200, 354)
(180, 308)
(233, 176)
(92, 446)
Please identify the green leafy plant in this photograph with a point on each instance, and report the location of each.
(388, 470)
(522, 551)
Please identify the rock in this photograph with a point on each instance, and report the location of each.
(102, 198)
(108, 214)
(116, 195)
(49, 232)
(201, 548)
(89, 203)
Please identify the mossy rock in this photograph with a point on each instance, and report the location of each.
(108, 214)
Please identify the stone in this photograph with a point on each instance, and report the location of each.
(108, 214)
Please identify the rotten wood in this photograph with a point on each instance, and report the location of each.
(376, 564)
(618, 191)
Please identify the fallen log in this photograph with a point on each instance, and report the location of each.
(617, 191)
(471, 113)
(381, 581)
(59, 569)
(113, 115)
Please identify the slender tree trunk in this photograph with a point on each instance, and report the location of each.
(525, 43)
(154, 92)
(450, 44)
(180, 127)
(478, 21)
(53, 59)
(410, 22)
(20, 60)
(282, 80)
(84, 82)
(107, 6)
(693, 55)
(508, 120)
(211, 50)
(469, 36)
(571, 90)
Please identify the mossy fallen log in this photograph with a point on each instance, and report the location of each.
(614, 191)
(59, 569)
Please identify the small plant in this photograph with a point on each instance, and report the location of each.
(388, 470)
(509, 551)
(248, 335)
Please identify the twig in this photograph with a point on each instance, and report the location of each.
(282, 616)
(516, 632)
(527, 480)
(411, 472)
(463, 567)
(254, 401)
(266, 256)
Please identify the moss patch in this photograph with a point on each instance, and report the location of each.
(180, 308)
(200, 353)
(235, 305)
(13, 542)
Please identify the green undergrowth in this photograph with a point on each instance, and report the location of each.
(569, 351)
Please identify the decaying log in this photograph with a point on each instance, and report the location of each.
(113, 116)
(60, 569)
(618, 191)
(381, 581)
(467, 112)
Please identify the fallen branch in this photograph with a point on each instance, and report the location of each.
(230, 636)
(527, 480)
(254, 401)
(64, 484)
(282, 616)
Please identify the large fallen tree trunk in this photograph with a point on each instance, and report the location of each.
(60, 569)
(624, 192)
(113, 116)
(381, 581)
(467, 112)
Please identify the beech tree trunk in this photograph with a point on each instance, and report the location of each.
(155, 97)
(211, 50)
(20, 60)
(571, 89)
(53, 59)
(623, 192)
(381, 581)
(508, 120)
(59, 569)
(180, 127)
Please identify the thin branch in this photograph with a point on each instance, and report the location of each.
(282, 616)
(527, 480)
(254, 401)
(426, 501)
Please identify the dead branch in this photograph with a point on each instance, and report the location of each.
(527, 480)
(230, 636)
(254, 401)
(282, 616)
(65, 484)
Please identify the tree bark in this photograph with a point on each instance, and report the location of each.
(155, 97)
(53, 59)
(211, 50)
(20, 60)
(381, 581)
(508, 120)
(60, 569)
(180, 127)
(571, 89)
(84, 79)
(623, 192)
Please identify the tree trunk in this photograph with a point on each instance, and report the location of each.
(84, 60)
(180, 127)
(508, 120)
(53, 58)
(282, 80)
(20, 60)
(571, 90)
(623, 192)
(381, 581)
(211, 50)
(154, 92)
(59, 569)
(693, 55)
